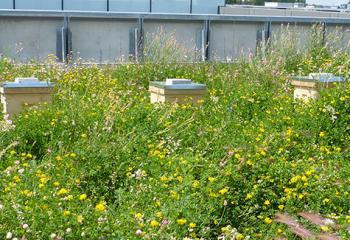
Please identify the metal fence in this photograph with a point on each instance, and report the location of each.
(157, 6)
(108, 37)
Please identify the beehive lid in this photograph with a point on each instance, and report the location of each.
(179, 84)
(320, 78)
(27, 83)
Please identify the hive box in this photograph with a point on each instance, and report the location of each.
(24, 92)
(306, 88)
(177, 91)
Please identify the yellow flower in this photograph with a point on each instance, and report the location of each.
(181, 221)
(138, 216)
(249, 196)
(16, 179)
(325, 228)
(154, 223)
(211, 179)
(192, 225)
(66, 213)
(73, 155)
(82, 197)
(159, 214)
(281, 207)
(195, 184)
(268, 220)
(223, 191)
(56, 184)
(322, 134)
(267, 203)
(80, 219)
(59, 158)
(62, 191)
(240, 236)
(69, 198)
(101, 207)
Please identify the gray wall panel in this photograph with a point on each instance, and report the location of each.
(229, 41)
(338, 36)
(24, 39)
(6, 4)
(206, 6)
(85, 5)
(39, 4)
(185, 33)
(171, 6)
(101, 40)
(299, 32)
(129, 5)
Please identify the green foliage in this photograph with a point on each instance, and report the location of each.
(101, 162)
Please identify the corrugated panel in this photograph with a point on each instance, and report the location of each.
(85, 5)
(6, 4)
(171, 6)
(129, 5)
(206, 6)
(39, 4)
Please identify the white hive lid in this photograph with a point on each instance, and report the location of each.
(175, 81)
(27, 83)
(178, 84)
(26, 80)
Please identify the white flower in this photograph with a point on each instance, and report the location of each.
(138, 232)
(9, 235)
(53, 235)
(68, 230)
(1, 206)
(24, 226)
(20, 171)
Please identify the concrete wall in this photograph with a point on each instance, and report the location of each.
(6, 4)
(28, 38)
(101, 40)
(185, 33)
(39, 4)
(338, 36)
(300, 33)
(229, 41)
(111, 37)
(227, 10)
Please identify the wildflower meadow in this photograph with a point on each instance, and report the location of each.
(102, 162)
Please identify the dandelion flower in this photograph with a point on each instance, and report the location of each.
(154, 223)
(82, 197)
(62, 191)
(101, 207)
(181, 221)
(268, 220)
(192, 225)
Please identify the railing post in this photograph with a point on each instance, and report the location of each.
(136, 42)
(206, 41)
(141, 39)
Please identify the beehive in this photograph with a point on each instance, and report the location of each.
(24, 92)
(177, 91)
(306, 88)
